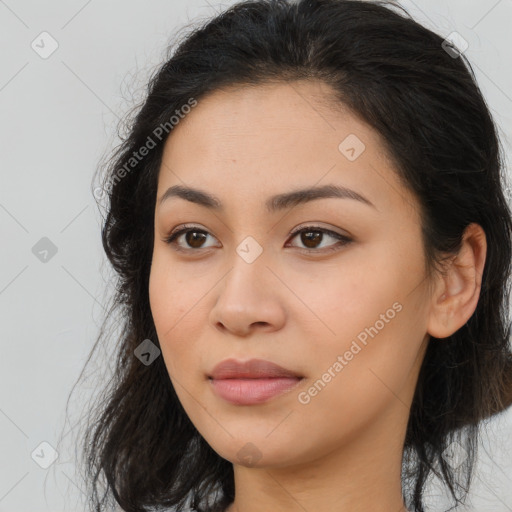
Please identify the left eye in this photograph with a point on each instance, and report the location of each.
(310, 237)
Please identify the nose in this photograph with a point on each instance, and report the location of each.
(250, 297)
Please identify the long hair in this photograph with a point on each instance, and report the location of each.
(421, 96)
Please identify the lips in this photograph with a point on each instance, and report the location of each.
(252, 369)
(251, 382)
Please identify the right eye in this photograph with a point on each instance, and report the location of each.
(194, 238)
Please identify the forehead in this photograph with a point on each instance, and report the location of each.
(274, 137)
(245, 117)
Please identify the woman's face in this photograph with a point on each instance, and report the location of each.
(347, 317)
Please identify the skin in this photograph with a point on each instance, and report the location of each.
(342, 450)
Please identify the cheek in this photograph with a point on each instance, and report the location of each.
(340, 299)
(172, 295)
(370, 322)
(175, 304)
(356, 381)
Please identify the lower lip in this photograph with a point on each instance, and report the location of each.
(252, 391)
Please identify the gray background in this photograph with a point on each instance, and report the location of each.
(58, 118)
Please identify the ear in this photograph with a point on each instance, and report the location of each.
(457, 290)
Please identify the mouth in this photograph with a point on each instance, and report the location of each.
(252, 391)
(251, 369)
(251, 382)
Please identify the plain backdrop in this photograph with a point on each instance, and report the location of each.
(58, 119)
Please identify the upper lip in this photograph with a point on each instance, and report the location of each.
(251, 369)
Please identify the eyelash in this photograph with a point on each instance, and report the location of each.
(187, 228)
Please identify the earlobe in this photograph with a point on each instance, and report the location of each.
(458, 289)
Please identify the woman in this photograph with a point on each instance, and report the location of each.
(313, 246)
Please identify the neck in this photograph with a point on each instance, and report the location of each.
(363, 474)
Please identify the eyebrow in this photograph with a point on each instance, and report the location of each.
(274, 203)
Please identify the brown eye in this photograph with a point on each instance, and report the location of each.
(193, 237)
(313, 236)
